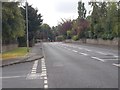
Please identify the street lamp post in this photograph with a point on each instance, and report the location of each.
(27, 26)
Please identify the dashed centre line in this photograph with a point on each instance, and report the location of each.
(98, 59)
(101, 53)
(88, 50)
(115, 56)
(74, 51)
(83, 54)
(118, 65)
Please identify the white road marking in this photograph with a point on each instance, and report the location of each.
(98, 59)
(74, 51)
(43, 59)
(34, 68)
(34, 76)
(87, 50)
(111, 59)
(115, 56)
(45, 81)
(43, 74)
(102, 53)
(45, 77)
(118, 65)
(44, 69)
(84, 54)
(45, 86)
(33, 72)
(11, 77)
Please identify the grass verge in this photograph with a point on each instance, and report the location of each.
(15, 53)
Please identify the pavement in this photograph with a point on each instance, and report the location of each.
(34, 54)
(66, 66)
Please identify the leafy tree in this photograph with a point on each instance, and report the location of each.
(47, 32)
(13, 23)
(81, 10)
(64, 27)
(55, 32)
(34, 22)
(111, 21)
(94, 18)
(82, 23)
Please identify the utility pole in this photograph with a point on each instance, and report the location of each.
(27, 26)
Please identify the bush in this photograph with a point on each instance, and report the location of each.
(22, 41)
(107, 37)
(60, 38)
(69, 34)
(110, 37)
(75, 38)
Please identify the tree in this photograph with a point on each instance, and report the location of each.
(47, 32)
(81, 10)
(112, 20)
(82, 23)
(55, 32)
(13, 23)
(64, 27)
(94, 18)
(34, 22)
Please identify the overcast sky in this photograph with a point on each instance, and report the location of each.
(53, 10)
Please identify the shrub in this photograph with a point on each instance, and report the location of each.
(69, 34)
(75, 38)
(60, 38)
(107, 37)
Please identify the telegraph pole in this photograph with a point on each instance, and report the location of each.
(27, 26)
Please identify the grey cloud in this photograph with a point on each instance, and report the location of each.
(66, 7)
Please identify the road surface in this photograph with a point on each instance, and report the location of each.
(66, 66)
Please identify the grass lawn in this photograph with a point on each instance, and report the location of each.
(15, 53)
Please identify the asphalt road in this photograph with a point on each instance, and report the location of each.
(66, 66)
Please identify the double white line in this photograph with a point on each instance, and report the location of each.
(44, 73)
